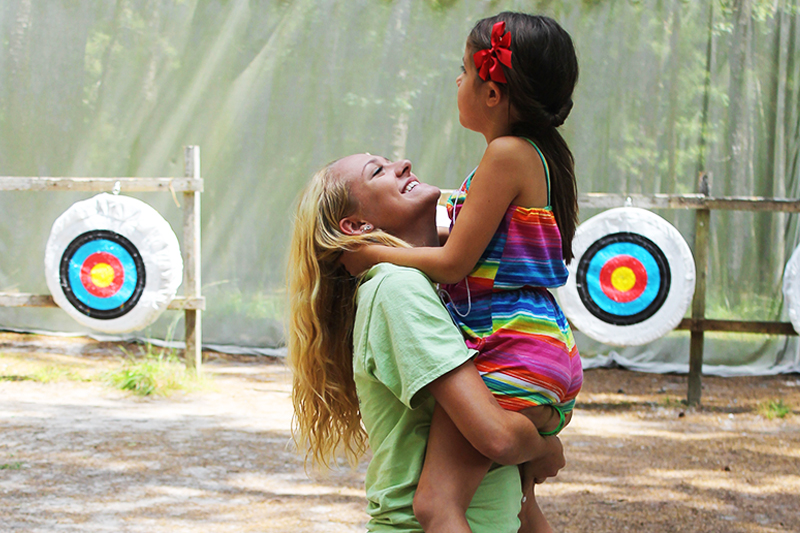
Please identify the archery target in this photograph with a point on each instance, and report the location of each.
(632, 278)
(791, 288)
(113, 263)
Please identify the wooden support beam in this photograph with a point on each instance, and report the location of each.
(13, 299)
(738, 326)
(180, 303)
(701, 232)
(192, 260)
(755, 203)
(21, 299)
(13, 183)
(654, 201)
(602, 200)
(689, 201)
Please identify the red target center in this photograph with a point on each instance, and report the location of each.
(623, 278)
(102, 274)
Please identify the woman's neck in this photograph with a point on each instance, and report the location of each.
(421, 232)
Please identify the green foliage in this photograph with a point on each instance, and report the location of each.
(154, 371)
(15, 377)
(16, 465)
(46, 374)
(258, 305)
(258, 316)
(50, 373)
(673, 402)
(273, 90)
(774, 409)
(441, 5)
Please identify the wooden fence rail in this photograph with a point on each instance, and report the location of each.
(191, 185)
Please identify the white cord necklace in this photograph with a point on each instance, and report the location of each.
(445, 296)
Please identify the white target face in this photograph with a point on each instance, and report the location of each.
(791, 288)
(113, 263)
(632, 278)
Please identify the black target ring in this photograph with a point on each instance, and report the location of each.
(106, 242)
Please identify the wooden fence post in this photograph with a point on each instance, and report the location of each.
(701, 232)
(191, 260)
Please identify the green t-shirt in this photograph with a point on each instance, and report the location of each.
(403, 340)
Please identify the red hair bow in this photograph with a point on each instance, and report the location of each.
(488, 61)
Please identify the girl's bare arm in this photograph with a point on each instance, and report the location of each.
(503, 436)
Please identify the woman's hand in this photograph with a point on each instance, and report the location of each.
(362, 259)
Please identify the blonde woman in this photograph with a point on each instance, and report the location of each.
(374, 355)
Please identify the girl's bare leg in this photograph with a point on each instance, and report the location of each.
(451, 474)
(531, 518)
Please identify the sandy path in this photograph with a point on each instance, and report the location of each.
(93, 459)
(81, 457)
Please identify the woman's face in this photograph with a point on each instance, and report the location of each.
(389, 195)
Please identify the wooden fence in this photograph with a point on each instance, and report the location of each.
(191, 185)
(193, 303)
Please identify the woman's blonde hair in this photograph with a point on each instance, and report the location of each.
(321, 315)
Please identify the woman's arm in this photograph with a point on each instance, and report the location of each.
(503, 173)
(503, 436)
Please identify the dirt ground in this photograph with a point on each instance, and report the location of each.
(79, 456)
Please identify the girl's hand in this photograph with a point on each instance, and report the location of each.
(362, 259)
(548, 464)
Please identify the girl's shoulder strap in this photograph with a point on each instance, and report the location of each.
(458, 195)
(546, 168)
(468, 181)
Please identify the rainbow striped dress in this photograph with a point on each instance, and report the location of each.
(527, 354)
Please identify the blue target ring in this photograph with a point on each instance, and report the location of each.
(609, 252)
(81, 250)
(129, 268)
(635, 247)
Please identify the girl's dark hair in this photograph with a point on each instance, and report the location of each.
(543, 74)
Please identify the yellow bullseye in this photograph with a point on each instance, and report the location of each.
(623, 279)
(102, 275)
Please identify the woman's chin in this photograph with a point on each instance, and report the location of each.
(427, 192)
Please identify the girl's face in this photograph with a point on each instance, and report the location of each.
(469, 101)
(389, 195)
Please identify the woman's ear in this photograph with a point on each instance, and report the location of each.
(353, 225)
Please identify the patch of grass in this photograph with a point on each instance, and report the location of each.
(774, 409)
(11, 466)
(46, 374)
(154, 371)
(49, 373)
(673, 402)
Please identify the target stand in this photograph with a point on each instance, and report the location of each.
(101, 274)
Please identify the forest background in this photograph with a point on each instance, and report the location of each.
(271, 90)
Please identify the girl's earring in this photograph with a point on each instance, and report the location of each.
(366, 227)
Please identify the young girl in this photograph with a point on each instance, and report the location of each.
(513, 220)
